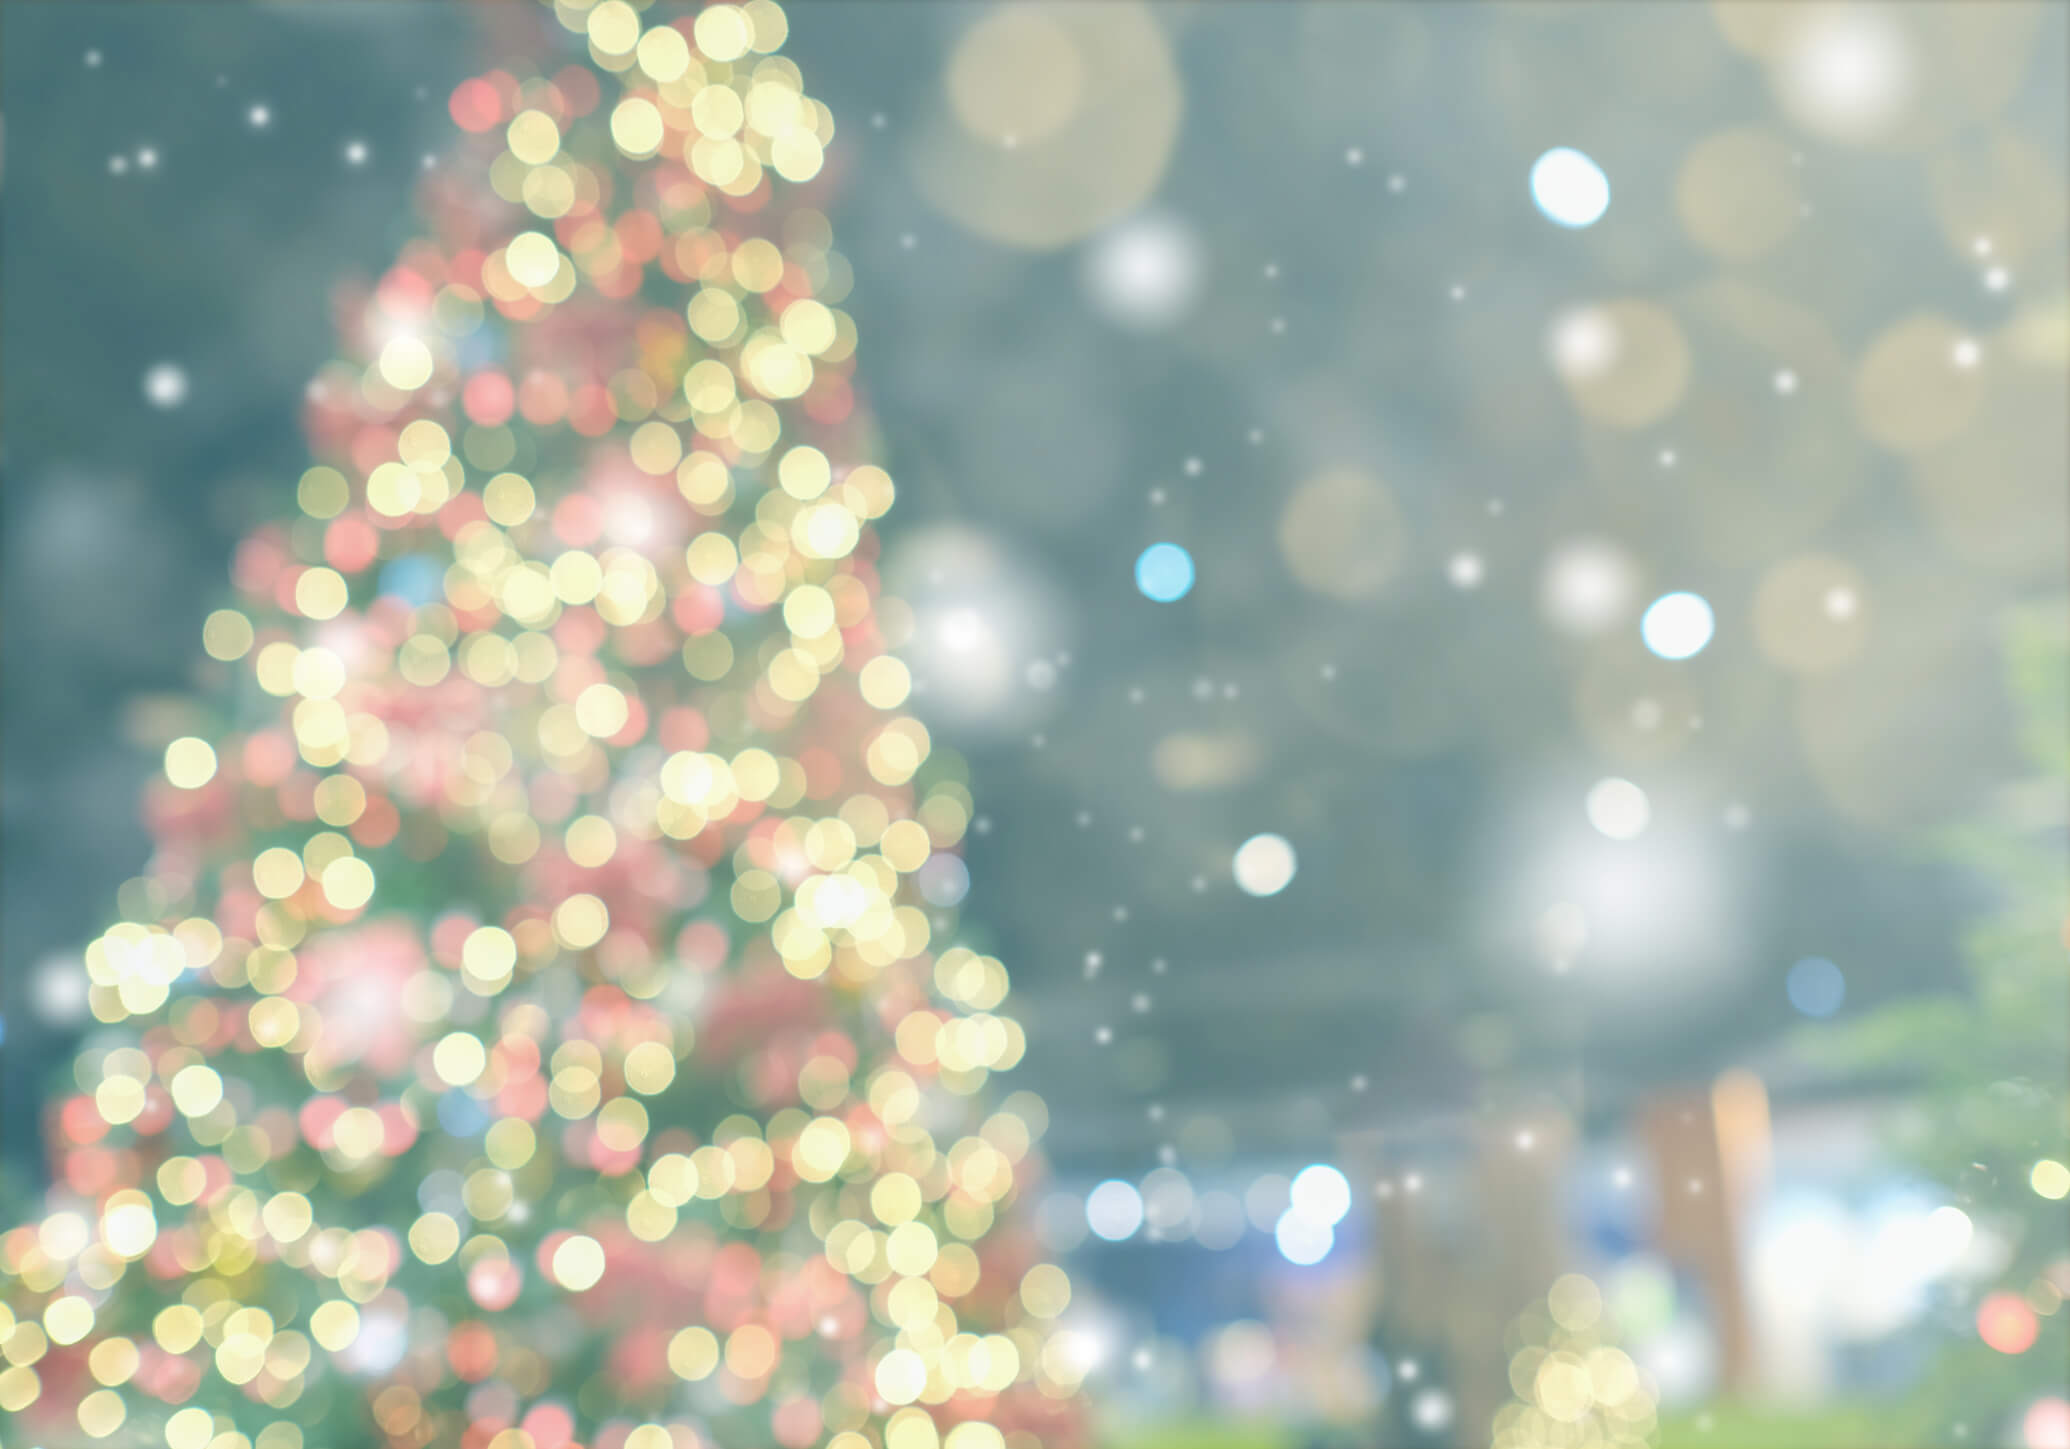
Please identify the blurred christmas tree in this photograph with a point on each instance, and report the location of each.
(1992, 1118)
(540, 1024)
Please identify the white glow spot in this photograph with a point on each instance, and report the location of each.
(1431, 1409)
(1570, 188)
(1114, 1210)
(59, 991)
(1583, 344)
(1302, 1240)
(1465, 570)
(1618, 808)
(165, 385)
(1845, 71)
(1145, 273)
(1264, 865)
(1588, 586)
(1946, 1238)
(1321, 1193)
(1677, 626)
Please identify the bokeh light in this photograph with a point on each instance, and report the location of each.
(1816, 986)
(1677, 626)
(1164, 572)
(1321, 1192)
(1589, 585)
(1114, 1210)
(1618, 808)
(1302, 1240)
(165, 385)
(1569, 187)
(1264, 865)
(1844, 72)
(2050, 1179)
(2046, 1424)
(2006, 1323)
(1144, 273)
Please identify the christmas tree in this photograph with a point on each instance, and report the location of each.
(542, 1023)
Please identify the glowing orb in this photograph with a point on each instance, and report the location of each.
(1570, 188)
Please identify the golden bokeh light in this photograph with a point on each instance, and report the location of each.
(1059, 118)
(1342, 535)
(1737, 193)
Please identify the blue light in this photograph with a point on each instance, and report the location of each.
(461, 1115)
(1164, 572)
(1816, 986)
(414, 578)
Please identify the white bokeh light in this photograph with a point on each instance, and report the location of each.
(1583, 343)
(1569, 187)
(1302, 1240)
(1431, 1410)
(1168, 1203)
(1114, 1210)
(1845, 72)
(1662, 927)
(165, 385)
(1677, 626)
(1321, 1193)
(1264, 865)
(1588, 586)
(980, 613)
(1145, 273)
(58, 991)
(1618, 808)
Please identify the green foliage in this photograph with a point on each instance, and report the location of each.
(1735, 1426)
(1989, 1067)
(1198, 1434)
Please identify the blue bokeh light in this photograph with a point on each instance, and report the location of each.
(1816, 986)
(1164, 572)
(414, 578)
